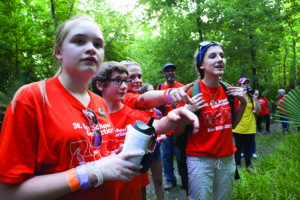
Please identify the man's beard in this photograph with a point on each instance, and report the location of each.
(170, 78)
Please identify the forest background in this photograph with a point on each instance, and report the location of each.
(260, 38)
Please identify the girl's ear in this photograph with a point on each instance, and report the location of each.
(58, 52)
(99, 86)
(201, 66)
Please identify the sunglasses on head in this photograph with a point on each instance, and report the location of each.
(94, 125)
(205, 43)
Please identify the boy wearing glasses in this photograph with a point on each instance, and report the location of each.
(111, 83)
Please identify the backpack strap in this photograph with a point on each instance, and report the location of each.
(159, 87)
(225, 87)
(195, 89)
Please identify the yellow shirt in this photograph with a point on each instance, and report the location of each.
(247, 124)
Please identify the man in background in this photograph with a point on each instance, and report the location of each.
(284, 121)
(168, 148)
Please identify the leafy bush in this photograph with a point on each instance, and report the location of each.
(6, 97)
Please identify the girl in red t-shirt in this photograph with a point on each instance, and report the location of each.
(264, 113)
(210, 152)
(56, 136)
(134, 87)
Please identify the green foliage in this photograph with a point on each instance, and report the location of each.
(260, 38)
(252, 33)
(26, 42)
(275, 175)
(290, 106)
(5, 98)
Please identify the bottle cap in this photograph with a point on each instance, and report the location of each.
(144, 128)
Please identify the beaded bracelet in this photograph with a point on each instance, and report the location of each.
(97, 172)
(72, 180)
(83, 177)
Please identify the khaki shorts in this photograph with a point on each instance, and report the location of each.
(210, 178)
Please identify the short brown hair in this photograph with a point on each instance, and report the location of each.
(104, 74)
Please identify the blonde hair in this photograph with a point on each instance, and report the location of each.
(61, 33)
(42, 86)
(128, 63)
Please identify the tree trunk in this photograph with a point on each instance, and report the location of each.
(17, 51)
(72, 5)
(198, 20)
(284, 60)
(253, 67)
(295, 70)
(199, 28)
(294, 50)
(53, 14)
(17, 57)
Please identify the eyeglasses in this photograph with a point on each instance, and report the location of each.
(205, 43)
(120, 81)
(94, 125)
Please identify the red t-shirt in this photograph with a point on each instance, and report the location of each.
(39, 138)
(263, 105)
(214, 138)
(130, 99)
(120, 119)
(279, 106)
(168, 107)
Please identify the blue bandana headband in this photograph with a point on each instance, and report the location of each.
(203, 46)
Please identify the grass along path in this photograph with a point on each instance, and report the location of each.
(276, 170)
(276, 173)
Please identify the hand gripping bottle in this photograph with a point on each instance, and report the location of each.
(152, 150)
(138, 137)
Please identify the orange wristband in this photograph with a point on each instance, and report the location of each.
(73, 180)
(165, 95)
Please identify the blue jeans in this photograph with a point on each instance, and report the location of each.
(168, 150)
(285, 125)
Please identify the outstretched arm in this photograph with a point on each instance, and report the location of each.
(177, 117)
(238, 92)
(156, 98)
